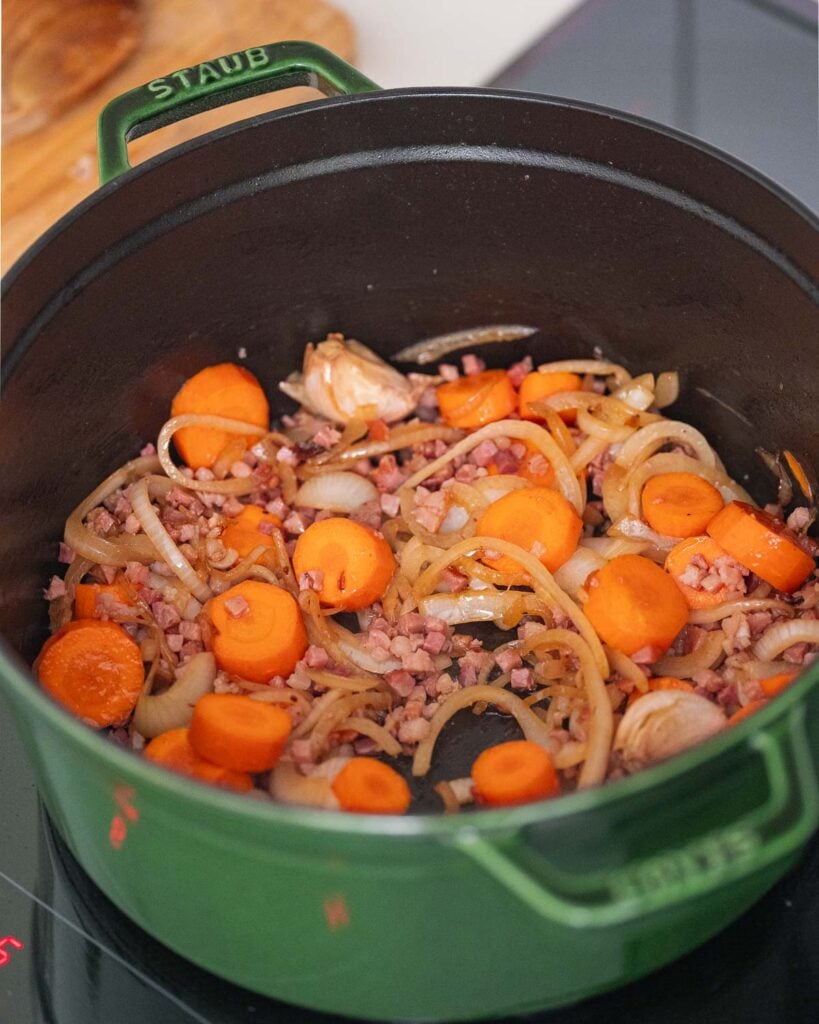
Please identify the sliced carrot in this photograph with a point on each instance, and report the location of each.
(238, 733)
(173, 750)
(477, 399)
(514, 773)
(86, 594)
(677, 561)
(259, 631)
(94, 669)
(367, 786)
(680, 504)
(776, 684)
(244, 533)
(661, 683)
(747, 711)
(633, 604)
(536, 519)
(537, 386)
(762, 544)
(355, 562)
(222, 390)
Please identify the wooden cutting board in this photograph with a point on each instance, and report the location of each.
(48, 170)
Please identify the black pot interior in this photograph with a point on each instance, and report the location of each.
(394, 218)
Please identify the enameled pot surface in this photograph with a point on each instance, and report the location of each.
(393, 217)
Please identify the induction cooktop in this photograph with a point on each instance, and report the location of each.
(739, 74)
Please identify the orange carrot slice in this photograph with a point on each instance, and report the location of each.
(86, 594)
(173, 750)
(238, 733)
(633, 604)
(514, 773)
(243, 533)
(776, 684)
(259, 631)
(477, 399)
(537, 386)
(746, 712)
(355, 561)
(762, 544)
(680, 504)
(367, 786)
(536, 519)
(94, 669)
(223, 390)
(677, 561)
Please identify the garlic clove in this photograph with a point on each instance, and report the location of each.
(663, 723)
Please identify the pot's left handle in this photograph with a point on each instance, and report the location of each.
(213, 83)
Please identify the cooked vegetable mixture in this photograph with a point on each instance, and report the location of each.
(291, 612)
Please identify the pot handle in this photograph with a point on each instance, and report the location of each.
(769, 833)
(214, 83)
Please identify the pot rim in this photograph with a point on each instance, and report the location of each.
(16, 676)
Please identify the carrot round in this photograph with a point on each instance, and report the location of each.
(94, 669)
(224, 390)
(680, 504)
(477, 399)
(258, 631)
(776, 684)
(367, 786)
(514, 773)
(86, 594)
(243, 533)
(661, 683)
(747, 711)
(536, 517)
(762, 544)
(173, 750)
(537, 386)
(355, 562)
(677, 561)
(633, 604)
(238, 733)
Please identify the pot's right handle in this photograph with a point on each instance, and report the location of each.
(762, 837)
(214, 83)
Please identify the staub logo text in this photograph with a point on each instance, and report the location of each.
(208, 71)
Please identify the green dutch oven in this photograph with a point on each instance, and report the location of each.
(396, 215)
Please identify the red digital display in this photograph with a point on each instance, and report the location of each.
(9, 940)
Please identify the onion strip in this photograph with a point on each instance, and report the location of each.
(430, 350)
(239, 485)
(703, 616)
(367, 727)
(684, 666)
(782, 635)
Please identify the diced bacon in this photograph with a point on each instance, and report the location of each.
(598, 467)
(166, 615)
(55, 589)
(411, 622)
(435, 625)
(368, 514)
(413, 731)
(508, 660)
(326, 436)
(472, 364)
(434, 643)
(796, 653)
(378, 639)
(316, 657)
(175, 641)
(390, 504)
(506, 461)
(800, 519)
(148, 449)
(100, 521)
(191, 647)
(203, 473)
(388, 475)
(240, 469)
(646, 655)
(295, 523)
(400, 646)
(122, 508)
(232, 507)
(418, 661)
(178, 497)
(708, 680)
(187, 532)
(400, 681)
(277, 508)
(237, 606)
(65, 554)
(483, 453)
(137, 573)
(522, 679)
(190, 630)
(301, 750)
(452, 581)
(313, 580)
(287, 456)
(448, 372)
(517, 371)
(365, 746)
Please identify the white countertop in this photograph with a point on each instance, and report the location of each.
(446, 42)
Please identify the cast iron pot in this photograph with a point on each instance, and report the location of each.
(393, 216)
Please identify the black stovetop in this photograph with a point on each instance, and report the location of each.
(739, 74)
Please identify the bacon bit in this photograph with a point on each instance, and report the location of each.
(237, 606)
(411, 622)
(136, 572)
(646, 655)
(400, 681)
(166, 615)
(240, 469)
(56, 588)
(522, 679)
(175, 642)
(326, 436)
(295, 523)
(517, 371)
(418, 661)
(390, 504)
(190, 630)
(388, 475)
(434, 643)
(430, 508)
(472, 364)
(316, 657)
(288, 456)
(148, 449)
(506, 461)
(379, 430)
(278, 508)
(448, 372)
(508, 660)
(414, 730)
(65, 554)
(100, 521)
(203, 473)
(484, 453)
(302, 751)
(452, 581)
(368, 514)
